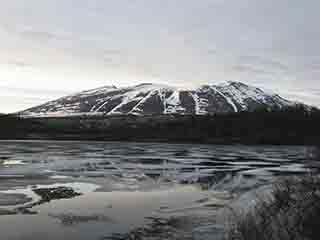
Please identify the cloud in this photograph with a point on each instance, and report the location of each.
(264, 62)
(38, 35)
(109, 63)
(246, 68)
(314, 67)
(113, 52)
(114, 58)
(96, 42)
(31, 93)
(212, 51)
(20, 64)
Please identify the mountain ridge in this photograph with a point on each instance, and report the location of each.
(149, 99)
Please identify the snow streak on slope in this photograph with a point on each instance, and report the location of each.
(229, 100)
(137, 94)
(146, 99)
(173, 104)
(201, 104)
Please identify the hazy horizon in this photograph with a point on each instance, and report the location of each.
(51, 49)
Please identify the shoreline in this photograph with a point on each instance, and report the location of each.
(151, 141)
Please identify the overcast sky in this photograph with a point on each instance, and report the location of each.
(52, 48)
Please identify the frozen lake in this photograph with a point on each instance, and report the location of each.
(94, 190)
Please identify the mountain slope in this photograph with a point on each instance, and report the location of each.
(147, 99)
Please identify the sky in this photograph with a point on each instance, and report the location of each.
(49, 49)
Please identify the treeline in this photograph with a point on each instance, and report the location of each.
(294, 125)
(13, 127)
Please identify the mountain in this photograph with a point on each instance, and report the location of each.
(155, 99)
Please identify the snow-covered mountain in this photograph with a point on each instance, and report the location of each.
(146, 99)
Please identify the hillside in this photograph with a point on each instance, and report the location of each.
(153, 99)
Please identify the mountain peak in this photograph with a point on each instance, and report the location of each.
(154, 85)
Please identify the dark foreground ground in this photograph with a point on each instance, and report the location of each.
(291, 211)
